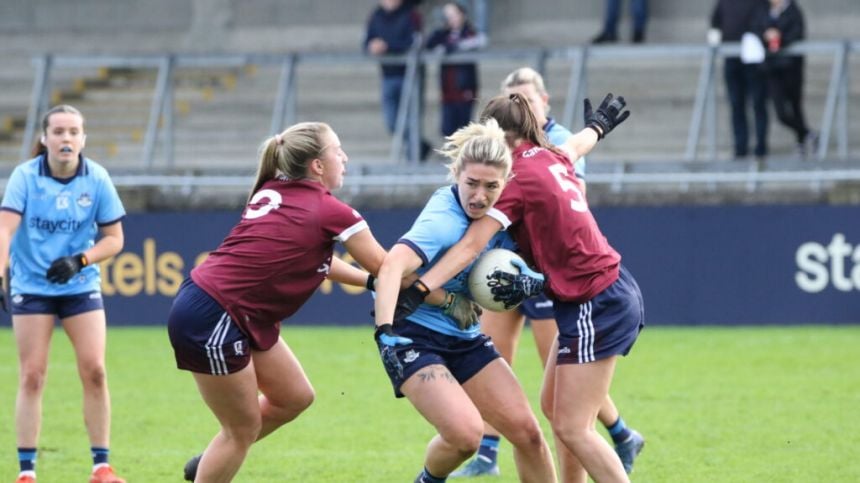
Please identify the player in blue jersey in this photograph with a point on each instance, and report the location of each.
(505, 327)
(60, 216)
(451, 373)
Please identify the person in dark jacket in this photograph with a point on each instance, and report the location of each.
(744, 82)
(392, 29)
(458, 82)
(781, 24)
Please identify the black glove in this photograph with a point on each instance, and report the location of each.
(64, 268)
(384, 334)
(409, 299)
(3, 296)
(513, 289)
(607, 116)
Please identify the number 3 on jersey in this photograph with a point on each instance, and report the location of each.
(568, 184)
(274, 200)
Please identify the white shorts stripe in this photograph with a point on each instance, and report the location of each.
(590, 325)
(584, 324)
(216, 364)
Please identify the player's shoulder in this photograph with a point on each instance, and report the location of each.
(30, 166)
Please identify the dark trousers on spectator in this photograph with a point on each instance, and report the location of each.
(785, 87)
(455, 115)
(638, 11)
(747, 83)
(392, 87)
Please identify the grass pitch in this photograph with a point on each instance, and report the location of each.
(715, 405)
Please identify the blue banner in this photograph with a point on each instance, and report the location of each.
(732, 265)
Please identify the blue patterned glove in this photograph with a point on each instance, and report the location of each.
(513, 289)
(386, 336)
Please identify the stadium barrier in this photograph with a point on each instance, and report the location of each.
(739, 265)
(703, 116)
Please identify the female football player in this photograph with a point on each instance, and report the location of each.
(597, 303)
(450, 372)
(71, 217)
(225, 321)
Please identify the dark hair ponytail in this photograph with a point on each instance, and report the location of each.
(515, 117)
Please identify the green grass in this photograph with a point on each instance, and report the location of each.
(715, 405)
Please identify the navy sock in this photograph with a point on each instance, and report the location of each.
(27, 459)
(489, 450)
(100, 455)
(619, 431)
(426, 477)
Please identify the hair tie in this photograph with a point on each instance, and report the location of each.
(279, 139)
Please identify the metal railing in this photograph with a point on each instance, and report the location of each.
(160, 123)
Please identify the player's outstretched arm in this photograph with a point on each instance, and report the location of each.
(598, 124)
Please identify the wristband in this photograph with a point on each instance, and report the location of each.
(422, 288)
(370, 284)
(84, 260)
(596, 131)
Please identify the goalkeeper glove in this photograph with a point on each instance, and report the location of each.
(64, 268)
(513, 289)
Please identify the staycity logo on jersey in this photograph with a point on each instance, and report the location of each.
(820, 266)
(68, 225)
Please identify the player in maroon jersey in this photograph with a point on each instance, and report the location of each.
(225, 321)
(598, 305)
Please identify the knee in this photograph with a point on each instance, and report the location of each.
(303, 399)
(465, 439)
(245, 434)
(527, 434)
(94, 376)
(572, 435)
(32, 380)
(289, 409)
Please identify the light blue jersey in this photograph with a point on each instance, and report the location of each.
(58, 218)
(557, 135)
(440, 226)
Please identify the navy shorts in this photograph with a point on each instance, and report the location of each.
(537, 308)
(203, 336)
(62, 306)
(464, 358)
(605, 326)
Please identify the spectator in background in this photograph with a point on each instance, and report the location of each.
(730, 20)
(781, 24)
(55, 275)
(639, 13)
(392, 29)
(458, 82)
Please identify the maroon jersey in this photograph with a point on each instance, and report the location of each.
(548, 217)
(277, 255)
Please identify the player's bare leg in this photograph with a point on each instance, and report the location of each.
(580, 390)
(434, 392)
(503, 403)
